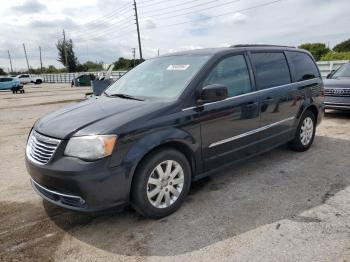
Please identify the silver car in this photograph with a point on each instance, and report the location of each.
(337, 88)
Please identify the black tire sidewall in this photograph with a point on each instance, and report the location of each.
(139, 197)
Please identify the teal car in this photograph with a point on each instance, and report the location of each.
(9, 83)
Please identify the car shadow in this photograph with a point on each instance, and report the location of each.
(276, 185)
(339, 114)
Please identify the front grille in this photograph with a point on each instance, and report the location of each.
(41, 148)
(337, 91)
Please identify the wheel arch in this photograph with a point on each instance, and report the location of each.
(181, 145)
(309, 107)
(314, 110)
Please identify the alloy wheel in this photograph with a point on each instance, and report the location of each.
(306, 131)
(165, 184)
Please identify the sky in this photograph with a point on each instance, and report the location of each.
(104, 30)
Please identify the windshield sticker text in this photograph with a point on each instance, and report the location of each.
(177, 67)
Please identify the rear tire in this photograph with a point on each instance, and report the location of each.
(305, 133)
(38, 81)
(161, 183)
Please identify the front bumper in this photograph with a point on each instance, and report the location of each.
(337, 106)
(337, 102)
(84, 186)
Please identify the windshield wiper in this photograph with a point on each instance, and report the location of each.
(125, 96)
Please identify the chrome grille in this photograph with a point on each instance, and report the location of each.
(41, 148)
(337, 91)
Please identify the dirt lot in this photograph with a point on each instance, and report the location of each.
(280, 206)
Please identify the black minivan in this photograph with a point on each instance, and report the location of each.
(172, 120)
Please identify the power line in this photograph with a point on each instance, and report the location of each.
(122, 21)
(172, 6)
(111, 14)
(101, 33)
(198, 10)
(143, 2)
(219, 15)
(105, 19)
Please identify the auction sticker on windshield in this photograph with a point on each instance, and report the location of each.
(178, 67)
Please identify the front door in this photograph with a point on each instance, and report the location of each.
(226, 126)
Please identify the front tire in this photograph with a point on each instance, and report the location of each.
(305, 133)
(161, 183)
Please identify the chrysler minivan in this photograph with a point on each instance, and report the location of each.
(172, 120)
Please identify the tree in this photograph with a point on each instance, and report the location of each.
(332, 56)
(2, 72)
(66, 54)
(343, 46)
(93, 66)
(126, 64)
(316, 49)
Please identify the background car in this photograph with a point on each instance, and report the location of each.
(83, 80)
(9, 83)
(26, 78)
(337, 88)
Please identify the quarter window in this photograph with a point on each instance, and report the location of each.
(304, 67)
(271, 69)
(233, 73)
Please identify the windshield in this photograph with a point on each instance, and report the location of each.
(163, 77)
(343, 71)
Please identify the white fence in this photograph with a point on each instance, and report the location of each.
(327, 66)
(67, 77)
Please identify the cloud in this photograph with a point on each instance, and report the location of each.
(96, 27)
(55, 23)
(29, 7)
(235, 19)
(148, 23)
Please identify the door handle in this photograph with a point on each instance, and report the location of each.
(268, 100)
(251, 105)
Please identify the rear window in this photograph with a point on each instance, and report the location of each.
(271, 69)
(304, 66)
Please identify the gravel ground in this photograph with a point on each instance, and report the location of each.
(280, 206)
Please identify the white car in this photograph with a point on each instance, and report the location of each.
(26, 78)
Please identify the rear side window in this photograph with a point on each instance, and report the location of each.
(233, 73)
(271, 69)
(304, 67)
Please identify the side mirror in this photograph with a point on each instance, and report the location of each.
(213, 93)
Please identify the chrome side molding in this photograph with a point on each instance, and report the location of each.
(250, 132)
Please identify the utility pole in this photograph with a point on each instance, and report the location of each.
(8, 51)
(138, 29)
(65, 49)
(41, 61)
(133, 55)
(25, 53)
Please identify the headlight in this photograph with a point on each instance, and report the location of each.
(90, 147)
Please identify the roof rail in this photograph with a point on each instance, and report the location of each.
(260, 45)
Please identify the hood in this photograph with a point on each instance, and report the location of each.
(66, 121)
(336, 83)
